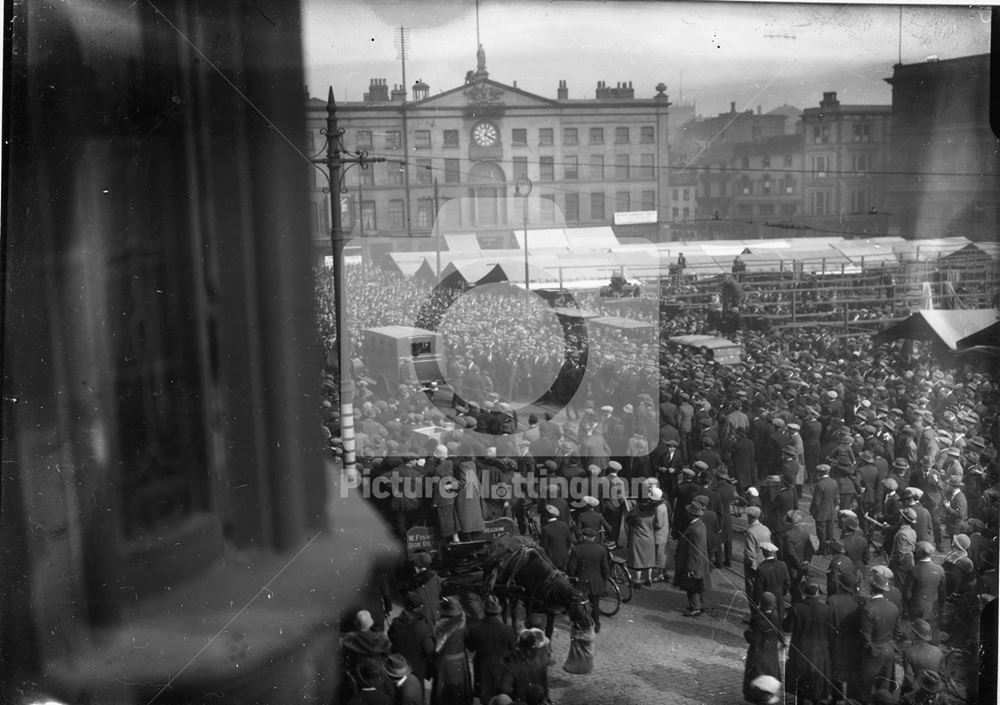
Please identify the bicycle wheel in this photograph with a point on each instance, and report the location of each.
(611, 599)
(619, 573)
(956, 666)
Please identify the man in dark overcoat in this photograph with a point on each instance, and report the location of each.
(878, 622)
(772, 576)
(807, 673)
(412, 637)
(823, 506)
(845, 636)
(840, 566)
(556, 538)
(692, 560)
(738, 453)
(490, 641)
(723, 486)
(927, 593)
(589, 565)
(797, 552)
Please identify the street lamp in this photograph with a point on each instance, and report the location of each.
(522, 187)
(334, 161)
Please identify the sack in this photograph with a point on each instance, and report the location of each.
(690, 582)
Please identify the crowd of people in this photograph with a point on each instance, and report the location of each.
(882, 459)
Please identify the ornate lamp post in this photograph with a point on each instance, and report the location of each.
(522, 187)
(337, 166)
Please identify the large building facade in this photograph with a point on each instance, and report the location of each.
(846, 151)
(945, 159)
(463, 159)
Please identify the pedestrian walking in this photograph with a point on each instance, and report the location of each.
(641, 542)
(693, 567)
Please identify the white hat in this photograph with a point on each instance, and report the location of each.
(608, 409)
(752, 491)
(554, 511)
(615, 465)
(591, 501)
(655, 494)
(441, 451)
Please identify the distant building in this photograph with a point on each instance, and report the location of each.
(845, 154)
(471, 145)
(945, 160)
(768, 186)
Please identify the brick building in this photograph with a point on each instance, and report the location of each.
(465, 152)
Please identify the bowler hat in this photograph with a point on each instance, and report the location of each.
(922, 629)
(396, 666)
(695, 509)
(909, 516)
(901, 464)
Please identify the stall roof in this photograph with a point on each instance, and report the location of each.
(623, 323)
(597, 238)
(583, 313)
(513, 271)
(543, 238)
(930, 248)
(463, 243)
(947, 327)
(408, 262)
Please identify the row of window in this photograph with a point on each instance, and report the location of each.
(766, 186)
(860, 132)
(860, 163)
(422, 139)
(424, 216)
(765, 162)
(820, 202)
(424, 172)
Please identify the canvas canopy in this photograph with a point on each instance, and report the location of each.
(944, 327)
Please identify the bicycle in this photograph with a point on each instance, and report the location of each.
(619, 572)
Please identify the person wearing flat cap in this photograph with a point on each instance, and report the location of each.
(904, 542)
(955, 506)
(490, 642)
(771, 576)
(590, 568)
(845, 635)
(878, 624)
(797, 551)
(589, 518)
(400, 683)
(927, 587)
(807, 672)
(824, 504)
(556, 537)
(921, 656)
(693, 569)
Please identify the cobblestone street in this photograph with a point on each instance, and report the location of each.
(650, 653)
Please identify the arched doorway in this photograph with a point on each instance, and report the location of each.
(488, 186)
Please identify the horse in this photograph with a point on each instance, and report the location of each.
(517, 570)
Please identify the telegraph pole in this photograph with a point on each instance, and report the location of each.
(333, 161)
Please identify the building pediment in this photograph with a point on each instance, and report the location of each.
(484, 97)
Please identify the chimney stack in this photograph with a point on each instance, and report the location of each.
(562, 93)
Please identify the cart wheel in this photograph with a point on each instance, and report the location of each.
(619, 574)
(611, 599)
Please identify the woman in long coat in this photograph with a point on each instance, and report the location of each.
(468, 501)
(642, 541)
(452, 680)
(661, 531)
(763, 636)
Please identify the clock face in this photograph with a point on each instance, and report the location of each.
(485, 134)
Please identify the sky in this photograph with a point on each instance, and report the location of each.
(712, 53)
